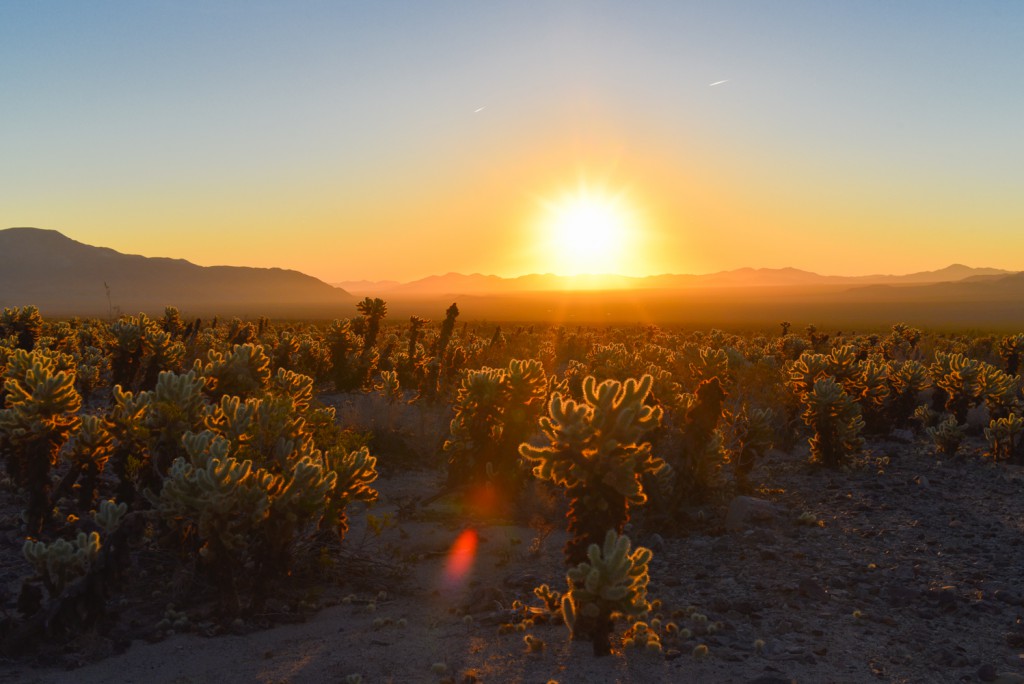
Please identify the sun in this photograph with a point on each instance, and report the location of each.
(587, 230)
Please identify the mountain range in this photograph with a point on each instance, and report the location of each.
(454, 284)
(64, 277)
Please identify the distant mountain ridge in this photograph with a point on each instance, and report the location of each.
(66, 277)
(479, 284)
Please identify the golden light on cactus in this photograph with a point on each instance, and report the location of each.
(589, 230)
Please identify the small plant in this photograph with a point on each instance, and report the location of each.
(948, 436)
(1005, 440)
(60, 562)
(611, 584)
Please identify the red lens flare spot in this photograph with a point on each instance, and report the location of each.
(460, 558)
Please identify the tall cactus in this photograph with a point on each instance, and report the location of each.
(39, 416)
(595, 451)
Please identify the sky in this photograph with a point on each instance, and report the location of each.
(395, 140)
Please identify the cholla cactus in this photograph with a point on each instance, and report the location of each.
(175, 406)
(906, 379)
(350, 367)
(700, 445)
(752, 434)
(222, 500)
(92, 366)
(109, 515)
(496, 409)
(901, 345)
(373, 311)
(595, 452)
(1000, 390)
(61, 562)
(1010, 349)
(89, 454)
(1004, 438)
(126, 350)
(24, 324)
(805, 371)
(958, 378)
(160, 352)
(835, 418)
(126, 422)
(712, 363)
(389, 387)
(947, 435)
(244, 372)
(870, 386)
(41, 403)
(355, 471)
(610, 584)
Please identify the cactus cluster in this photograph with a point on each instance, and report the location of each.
(610, 584)
(595, 450)
(496, 410)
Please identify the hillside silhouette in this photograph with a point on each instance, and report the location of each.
(64, 277)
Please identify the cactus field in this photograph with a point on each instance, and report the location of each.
(439, 500)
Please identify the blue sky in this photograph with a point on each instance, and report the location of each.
(253, 132)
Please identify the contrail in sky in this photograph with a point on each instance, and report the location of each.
(477, 111)
(718, 83)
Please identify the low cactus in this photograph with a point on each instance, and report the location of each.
(61, 562)
(947, 435)
(611, 584)
(1004, 438)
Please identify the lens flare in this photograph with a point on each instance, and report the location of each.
(460, 558)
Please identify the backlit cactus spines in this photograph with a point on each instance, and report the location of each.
(92, 448)
(60, 562)
(907, 379)
(351, 363)
(126, 350)
(1001, 391)
(373, 311)
(712, 363)
(806, 370)
(610, 584)
(836, 420)
(595, 451)
(958, 378)
(25, 324)
(496, 409)
(355, 471)
(947, 435)
(1005, 440)
(244, 371)
(160, 352)
(176, 406)
(41, 403)
(295, 386)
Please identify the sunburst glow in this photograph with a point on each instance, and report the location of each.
(588, 231)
